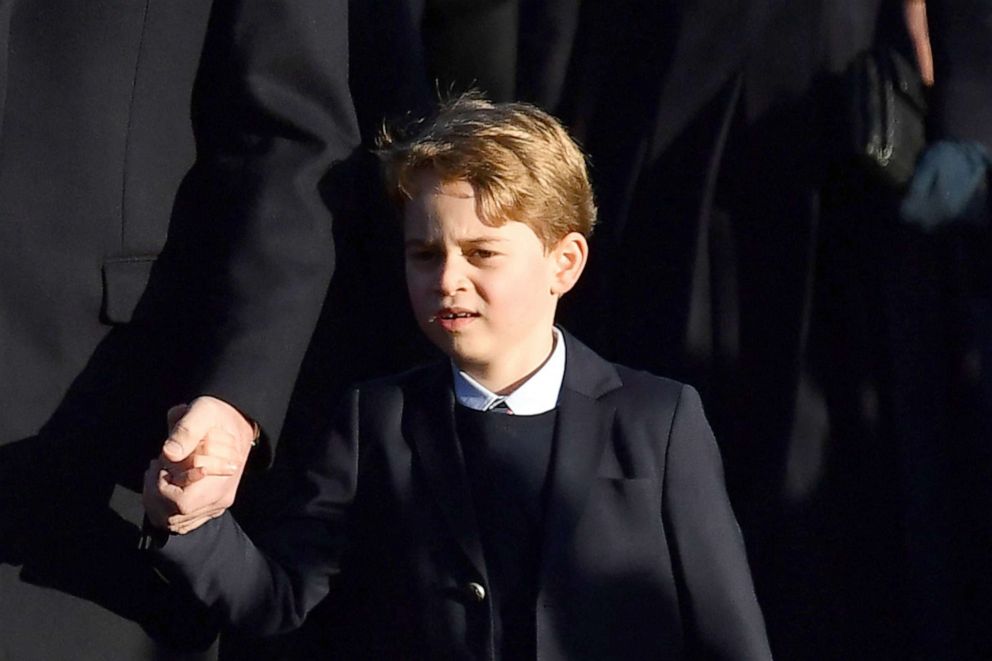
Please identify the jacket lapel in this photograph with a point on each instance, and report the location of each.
(584, 427)
(429, 423)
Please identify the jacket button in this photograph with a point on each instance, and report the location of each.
(476, 591)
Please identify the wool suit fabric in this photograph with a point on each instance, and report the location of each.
(163, 234)
(641, 556)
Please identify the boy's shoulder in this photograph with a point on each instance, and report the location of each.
(641, 380)
(379, 405)
(415, 379)
(648, 395)
(619, 382)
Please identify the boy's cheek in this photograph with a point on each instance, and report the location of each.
(419, 305)
(423, 311)
(414, 290)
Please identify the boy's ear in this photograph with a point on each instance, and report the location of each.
(570, 255)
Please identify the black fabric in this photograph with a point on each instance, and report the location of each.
(164, 233)
(507, 459)
(387, 531)
(805, 315)
(820, 332)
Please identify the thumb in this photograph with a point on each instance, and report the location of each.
(188, 426)
(174, 414)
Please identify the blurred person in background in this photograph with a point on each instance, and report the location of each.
(820, 318)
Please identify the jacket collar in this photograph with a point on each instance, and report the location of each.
(586, 373)
(429, 424)
(585, 420)
(538, 394)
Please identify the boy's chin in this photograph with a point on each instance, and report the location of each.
(461, 353)
(444, 342)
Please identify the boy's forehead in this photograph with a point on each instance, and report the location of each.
(450, 208)
(437, 206)
(428, 223)
(427, 183)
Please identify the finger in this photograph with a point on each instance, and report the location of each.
(152, 473)
(231, 420)
(208, 494)
(157, 497)
(175, 468)
(188, 431)
(183, 478)
(177, 522)
(181, 520)
(150, 483)
(189, 526)
(173, 415)
(207, 465)
(168, 489)
(222, 445)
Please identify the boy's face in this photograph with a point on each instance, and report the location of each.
(485, 295)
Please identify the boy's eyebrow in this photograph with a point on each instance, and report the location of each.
(420, 243)
(484, 239)
(470, 241)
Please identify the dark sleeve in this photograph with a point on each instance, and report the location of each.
(713, 577)
(269, 588)
(961, 32)
(252, 243)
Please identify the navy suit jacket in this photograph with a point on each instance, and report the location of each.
(642, 557)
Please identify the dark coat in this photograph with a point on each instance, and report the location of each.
(819, 329)
(641, 555)
(124, 124)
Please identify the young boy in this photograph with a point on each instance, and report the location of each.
(526, 499)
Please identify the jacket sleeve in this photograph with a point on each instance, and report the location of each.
(716, 594)
(270, 587)
(250, 251)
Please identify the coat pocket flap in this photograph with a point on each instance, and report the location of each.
(124, 281)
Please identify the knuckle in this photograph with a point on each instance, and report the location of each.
(204, 404)
(181, 430)
(183, 508)
(221, 437)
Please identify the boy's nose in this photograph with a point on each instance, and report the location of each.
(451, 277)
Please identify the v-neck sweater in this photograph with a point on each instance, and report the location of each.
(507, 458)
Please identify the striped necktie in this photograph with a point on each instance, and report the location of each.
(500, 406)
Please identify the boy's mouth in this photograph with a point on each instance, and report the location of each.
(452, 319)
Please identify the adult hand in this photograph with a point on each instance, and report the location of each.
(204, 457)
(165, 502)
(207, 437)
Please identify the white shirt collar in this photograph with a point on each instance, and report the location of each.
(536, 395)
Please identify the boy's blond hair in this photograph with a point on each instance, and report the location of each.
(519, 159)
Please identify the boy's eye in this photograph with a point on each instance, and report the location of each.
(421, 254)
(480, 253)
